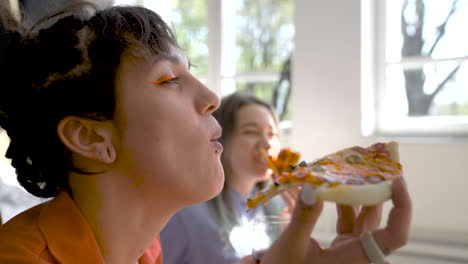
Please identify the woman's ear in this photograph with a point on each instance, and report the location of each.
(88, 138)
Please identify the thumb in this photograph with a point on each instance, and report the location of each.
(294, 243)
(305, 215)
(247, 260)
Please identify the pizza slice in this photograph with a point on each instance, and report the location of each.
(352, 176)
(283, 163)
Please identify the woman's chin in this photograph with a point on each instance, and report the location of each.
(217, 186)
(209, 190)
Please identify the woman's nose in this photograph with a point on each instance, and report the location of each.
(207, 101)
(265, 142)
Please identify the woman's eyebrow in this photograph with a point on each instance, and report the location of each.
(256, 125)
(172, 58)
(181, 59)
(249, 124)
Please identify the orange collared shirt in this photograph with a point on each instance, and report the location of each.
(56, 232)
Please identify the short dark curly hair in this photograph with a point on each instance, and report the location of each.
(66, 66)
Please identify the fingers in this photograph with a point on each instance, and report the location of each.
(341, 238)
(295, 245)
(247, 260)
(287, 198)
(399, 219)
(393, 236)
(306, 214)
(346, 217)
(290, 196)
(396, 233)
(345, 223)
(258, 254)
(350, 224)
(369, 219)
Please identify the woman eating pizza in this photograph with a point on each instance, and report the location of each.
(104, 115)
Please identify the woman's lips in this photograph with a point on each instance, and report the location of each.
(218, 147)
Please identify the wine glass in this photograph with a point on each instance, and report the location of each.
(266, 229)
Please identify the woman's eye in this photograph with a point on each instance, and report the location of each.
(168, 79)
(250, 132)
(172, 81)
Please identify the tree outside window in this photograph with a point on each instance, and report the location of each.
(424, 89)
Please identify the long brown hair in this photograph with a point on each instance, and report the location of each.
(226, 115)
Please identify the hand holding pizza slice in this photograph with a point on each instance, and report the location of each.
(353, 245)
(344, 177)
(352, 176)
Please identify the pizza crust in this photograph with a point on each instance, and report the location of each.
(356, 194)
(393, 147)
(343, 194)
(348, 194)
(368, 194)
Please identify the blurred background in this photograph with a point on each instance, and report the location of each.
(343, 73)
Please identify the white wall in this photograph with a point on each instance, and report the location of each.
(326, 114)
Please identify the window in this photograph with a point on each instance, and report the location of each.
(422, 68)
(235, 45)
(262, 41)
(189, 19)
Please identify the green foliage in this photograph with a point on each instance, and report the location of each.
(450, 109)
(263, 90)
(263, 37)
(189, 19)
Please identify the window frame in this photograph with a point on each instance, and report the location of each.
(374, 121)
(217, 74)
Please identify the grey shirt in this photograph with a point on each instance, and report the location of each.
(193, 237)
